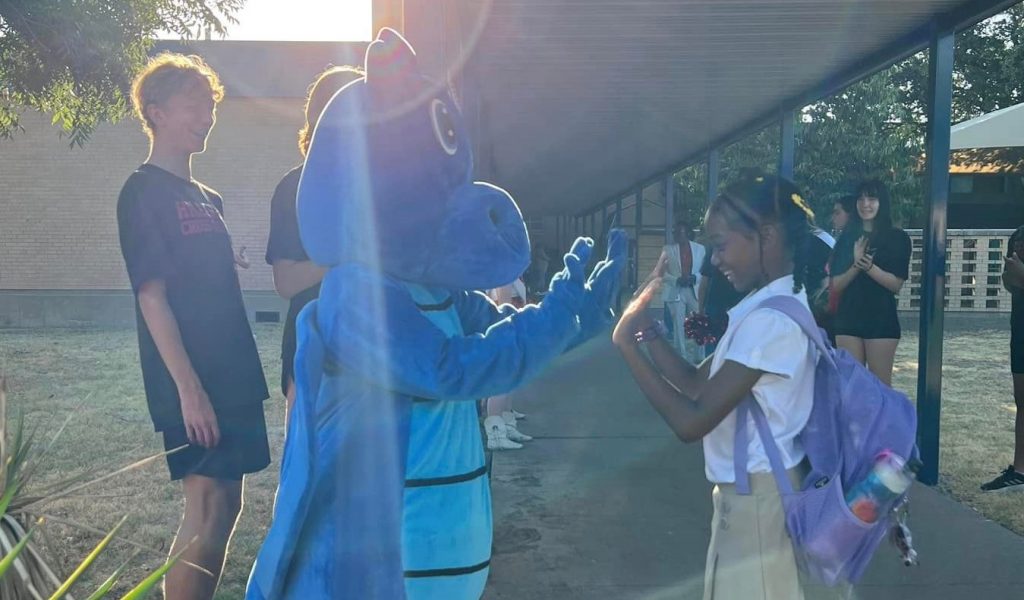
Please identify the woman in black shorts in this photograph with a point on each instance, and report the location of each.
(870, 264)
(296, 278)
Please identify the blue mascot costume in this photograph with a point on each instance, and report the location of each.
(383, 490)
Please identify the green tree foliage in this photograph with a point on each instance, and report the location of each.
(75, 59)
(876, 128)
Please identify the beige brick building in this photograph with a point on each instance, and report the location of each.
(60, 262)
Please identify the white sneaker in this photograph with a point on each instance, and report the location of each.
(515, 435)
(497, 435)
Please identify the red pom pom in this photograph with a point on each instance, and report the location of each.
(704, 329)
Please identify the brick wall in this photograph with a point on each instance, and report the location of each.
(58, 229)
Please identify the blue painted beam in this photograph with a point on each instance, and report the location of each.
(787, 145)
(933, 278)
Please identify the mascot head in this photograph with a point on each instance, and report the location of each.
(387, 183)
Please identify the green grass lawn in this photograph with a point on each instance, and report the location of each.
(96, 375)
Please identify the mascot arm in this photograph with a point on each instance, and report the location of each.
(372, 327)
(478, 312)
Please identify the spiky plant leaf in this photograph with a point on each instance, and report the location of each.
(87, 562)
(8, 560)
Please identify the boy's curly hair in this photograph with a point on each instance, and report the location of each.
(167, 74)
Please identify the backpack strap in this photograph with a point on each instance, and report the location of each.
(801, 315)
(747, 406)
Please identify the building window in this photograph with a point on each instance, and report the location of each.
(991, 304)
(995, 243)
(915, 302)
(970, 256)
(915, 279)
(967, 280)
(994, 268)
(961, 184)
(967, 304)
(966, 291)
(968, 268)
(997, 256)
(992, 291)
(970, 243)
(915, 291)
(994, 280)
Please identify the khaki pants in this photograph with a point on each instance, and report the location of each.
(750, 556)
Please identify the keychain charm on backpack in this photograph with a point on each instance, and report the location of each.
(901, 538)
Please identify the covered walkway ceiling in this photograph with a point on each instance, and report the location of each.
(581, 99)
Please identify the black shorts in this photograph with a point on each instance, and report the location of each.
(1016, 352)
(885, 326)
(243, 446)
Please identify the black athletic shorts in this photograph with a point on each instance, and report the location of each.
(243, 446)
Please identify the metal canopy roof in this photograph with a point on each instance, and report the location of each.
(581, 99)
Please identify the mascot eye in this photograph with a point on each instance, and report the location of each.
(444, 127)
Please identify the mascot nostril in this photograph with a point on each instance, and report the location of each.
(383, 491)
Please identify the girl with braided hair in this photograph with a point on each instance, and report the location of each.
(759, 232)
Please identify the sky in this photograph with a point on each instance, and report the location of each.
(306, 20)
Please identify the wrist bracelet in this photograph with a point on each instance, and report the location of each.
(648, 334)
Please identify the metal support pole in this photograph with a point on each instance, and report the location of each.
(639, 213)
(787, 145)
(670, 200)
(929, 378)
(713, 170)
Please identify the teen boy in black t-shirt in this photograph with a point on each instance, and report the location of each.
(202, 374)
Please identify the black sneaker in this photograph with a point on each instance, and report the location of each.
(1009, 480)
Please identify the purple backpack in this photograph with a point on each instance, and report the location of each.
(855, 417)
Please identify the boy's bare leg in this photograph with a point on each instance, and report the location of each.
(212, 507)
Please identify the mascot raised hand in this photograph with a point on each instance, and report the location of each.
(384, 490)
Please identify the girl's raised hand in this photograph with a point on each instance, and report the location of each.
(860, 248)
(635, 317)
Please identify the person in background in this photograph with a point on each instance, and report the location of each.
(202, 373)
(1012, 478)
(296, 278)
(679, 264)
(715, 297)
(841, 211)
(870, 264)
(501, 423)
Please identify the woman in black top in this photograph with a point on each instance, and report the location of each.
(296, 278)
(870, 264)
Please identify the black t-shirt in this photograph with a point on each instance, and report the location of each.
(865, 298)
(285, 243)
(720, 295)
(1016, 244)
(173, 230)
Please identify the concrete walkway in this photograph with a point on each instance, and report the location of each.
(607, 503)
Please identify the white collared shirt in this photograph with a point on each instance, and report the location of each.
(769, 341)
